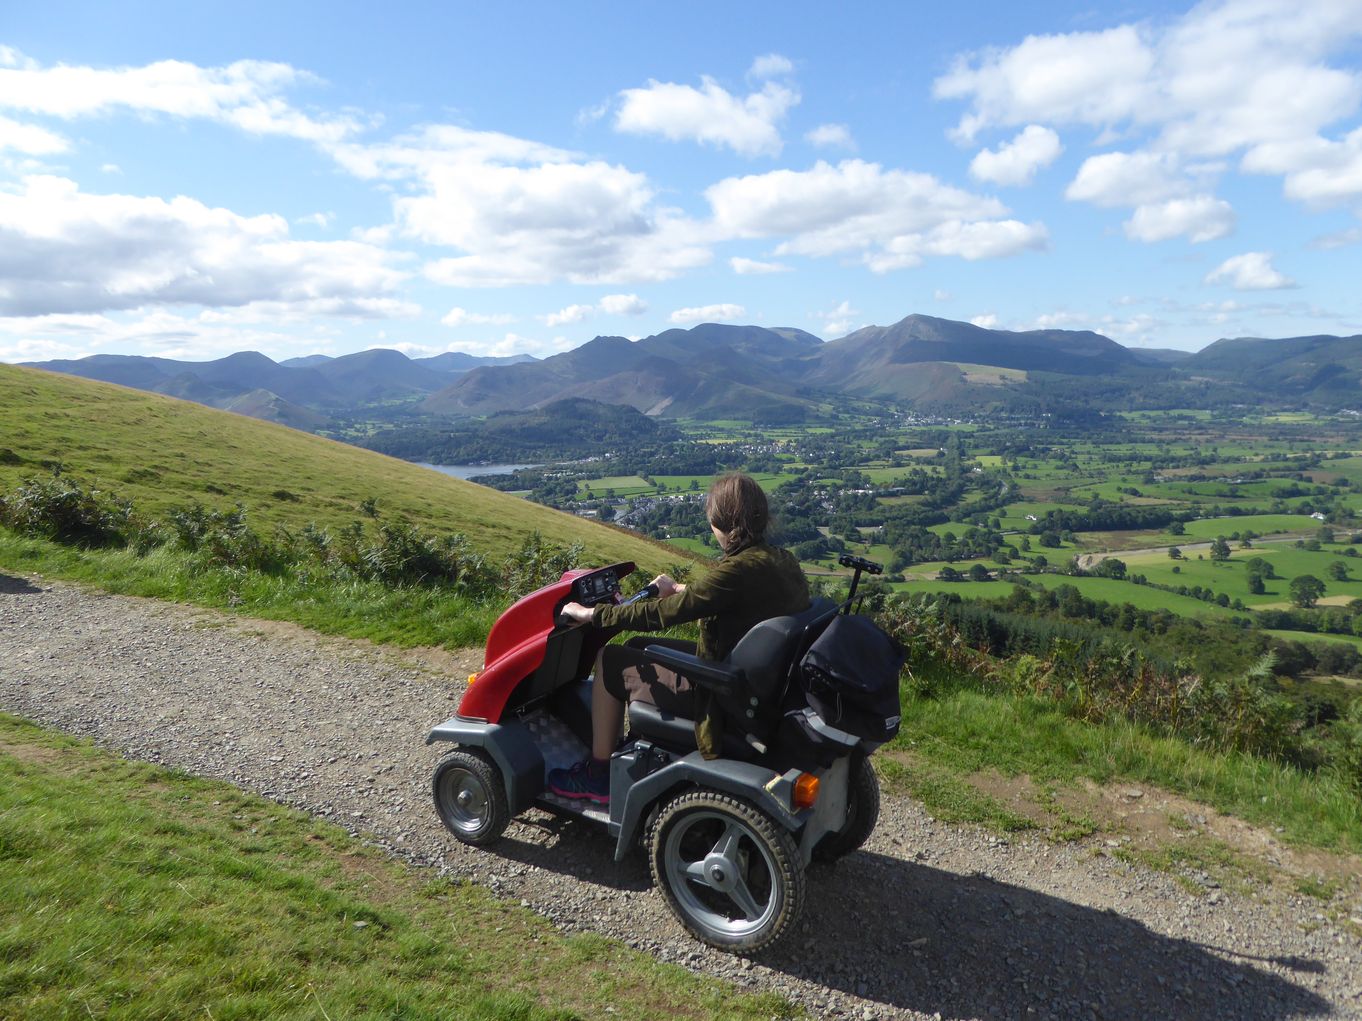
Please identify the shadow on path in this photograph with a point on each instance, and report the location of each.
(12, 586)
(971, 946)
(974, 947)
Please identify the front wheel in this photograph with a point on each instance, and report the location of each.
(729, 873)
(470, 796)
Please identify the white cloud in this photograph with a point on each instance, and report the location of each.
(62, 250)
(515, 344)
(941, 295)
(1127, 179)
(611, 304)
(1251, 77)
(169, 334)
(623, 305)
(1062, 320)
(246, 94)
(724, 313)
(1086, 77)
(1199, 218)
(754, 267)
(772, 65)
(1337, 239)
(571, 314)
(462, 317)
(710, 115)
(1017, 161)
(316, 219)
(524, 213)
(1161, 191)
(831, 136)
(1252, 271)
(892, 218)
(987, 321)
(30, 139)
(1319, 173)
(837, 321)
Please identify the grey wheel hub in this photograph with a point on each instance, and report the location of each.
(729, 889)
(466, 800)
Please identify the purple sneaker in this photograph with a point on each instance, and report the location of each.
(581, 782)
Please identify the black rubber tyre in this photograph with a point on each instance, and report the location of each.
(470, 796)
(863, 812)
(729, 873)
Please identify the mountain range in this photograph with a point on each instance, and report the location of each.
(772, 375)
(300, 392)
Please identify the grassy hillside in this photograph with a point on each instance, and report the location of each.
(163, 453)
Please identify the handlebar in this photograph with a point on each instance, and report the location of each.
(857, 565)
(860, 564)
(648, 591)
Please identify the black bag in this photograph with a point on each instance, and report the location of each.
(851, 678)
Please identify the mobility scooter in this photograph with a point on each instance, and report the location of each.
(729, 838)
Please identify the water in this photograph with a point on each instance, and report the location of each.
(467, 471)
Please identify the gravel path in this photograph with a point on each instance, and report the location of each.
(929, 921)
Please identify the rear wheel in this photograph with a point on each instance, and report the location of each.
(727, 870)
(863, 812)
(470, 796)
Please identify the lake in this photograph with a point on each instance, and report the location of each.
(467, 471)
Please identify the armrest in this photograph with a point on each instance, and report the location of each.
(717, 677)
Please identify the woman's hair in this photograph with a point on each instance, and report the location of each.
(737, 507)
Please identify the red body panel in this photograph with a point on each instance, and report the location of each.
(516, 644)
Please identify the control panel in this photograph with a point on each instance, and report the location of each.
(597, 587)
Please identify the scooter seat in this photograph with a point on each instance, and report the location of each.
(647, 720)
(678, 732)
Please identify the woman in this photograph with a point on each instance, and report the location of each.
(753, 582)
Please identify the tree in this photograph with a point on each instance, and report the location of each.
(1176, 528)
(948, 573)
(978, 572)
(1220, 549)
(1174, 553)
(1306, 590)
(1255, 584)
(1110, 567)
(1338, 570)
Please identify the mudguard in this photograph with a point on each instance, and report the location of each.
(648, 774)
(511, 747)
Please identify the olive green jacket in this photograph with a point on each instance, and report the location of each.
(746, 587)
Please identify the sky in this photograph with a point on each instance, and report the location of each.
(188, 180)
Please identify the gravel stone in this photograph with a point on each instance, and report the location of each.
(927, 921)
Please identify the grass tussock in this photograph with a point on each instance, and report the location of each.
(132, 892)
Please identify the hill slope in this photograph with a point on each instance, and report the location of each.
(163, 453)
(711, 369)
(1321, 368)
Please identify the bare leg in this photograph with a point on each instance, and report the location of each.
(607, 716)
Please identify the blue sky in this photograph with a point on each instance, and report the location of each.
(193, 179)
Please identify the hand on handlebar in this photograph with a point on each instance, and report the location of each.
(575, 613)
(667, 586)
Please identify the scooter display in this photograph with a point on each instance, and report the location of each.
(728, 839)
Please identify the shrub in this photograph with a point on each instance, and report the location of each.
(536, 564)
(62, 510)
(224, 539)
(1346, 748)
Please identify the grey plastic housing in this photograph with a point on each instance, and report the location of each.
(512, 748)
